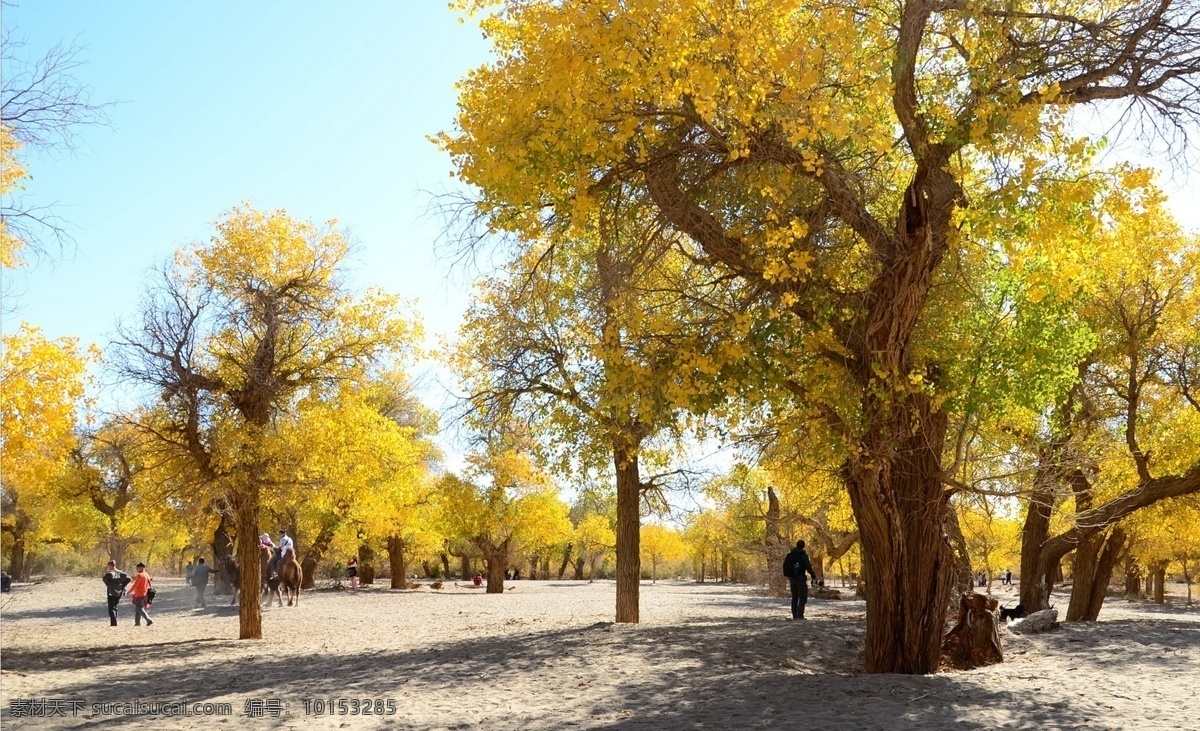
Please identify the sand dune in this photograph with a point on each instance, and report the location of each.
(545, 656)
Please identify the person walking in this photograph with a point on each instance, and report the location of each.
(352, 571)
(139, 590)
(795, 565)
(116, 581)
(200, 581)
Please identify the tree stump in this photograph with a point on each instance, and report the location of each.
(974, 641)
(1036, 622)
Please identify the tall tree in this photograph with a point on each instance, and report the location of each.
(241, 333)
(41, 391)
(602, 354)
(823, 154)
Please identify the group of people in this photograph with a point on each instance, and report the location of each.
(1005, 578)
(138, 587)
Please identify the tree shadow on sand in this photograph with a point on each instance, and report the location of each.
(727, 672)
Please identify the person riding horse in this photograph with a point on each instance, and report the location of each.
(286, 546)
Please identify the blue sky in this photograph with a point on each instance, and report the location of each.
(319, 108)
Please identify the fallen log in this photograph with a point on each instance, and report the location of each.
(1046, 619)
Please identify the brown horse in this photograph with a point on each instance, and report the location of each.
(229, 570)
(290, 576)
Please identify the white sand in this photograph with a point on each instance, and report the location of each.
(544, 656)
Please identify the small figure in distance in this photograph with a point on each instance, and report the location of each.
(478, 580)
(139, 590)
(1008, 576)
(795, 564)
(116, 581)
(200, 581)
(191, 570)
(352, 571)
(5, 582)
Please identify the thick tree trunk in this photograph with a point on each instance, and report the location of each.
(545, 567)
(1036, 579)
(580, 562)
(250, 580)
(562, 568)
(366, 564)
(497, 564)
(901, 509)
(1160, 578)
(466, 566)
(629, 533)
(776, 547)
(395, 548)
(1095, 559)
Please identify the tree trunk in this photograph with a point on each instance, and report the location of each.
(16, 556)
(395, 548)
(545, 567)
(776, 547)
(1160, 578)
(366, 565)
(901, 509)
(962, 557)
(497, 564)
(562, 568)
(1036, 579)
(466, 566)
(249, 608)
(1133, 575)
(629, 533)
(580, 562)
(1095, 559)
(222, 547)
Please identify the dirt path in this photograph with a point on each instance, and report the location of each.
(544, 656)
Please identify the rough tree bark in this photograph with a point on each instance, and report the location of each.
(1160, 578)
(776, 547)
(497, 563)
(246, 503)
(629, 536)
(1095, 559)
(366, 564)
(396, 558)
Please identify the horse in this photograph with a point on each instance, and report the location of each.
(229, 570)
(289, 575)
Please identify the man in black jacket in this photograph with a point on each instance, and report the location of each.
(795, 564)
(116, 581)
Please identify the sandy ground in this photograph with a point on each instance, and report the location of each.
(544, 656)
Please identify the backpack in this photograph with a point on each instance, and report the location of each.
(790, 562)
(150, 594)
